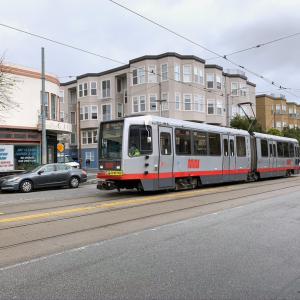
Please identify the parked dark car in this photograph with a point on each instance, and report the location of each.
(50, 175)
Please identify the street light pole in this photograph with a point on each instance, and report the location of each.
(43, 112)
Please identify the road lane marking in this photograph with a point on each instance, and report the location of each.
(102, 206)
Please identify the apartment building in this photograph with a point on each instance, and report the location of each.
(273, 111)
(169, 84)
(20, 127)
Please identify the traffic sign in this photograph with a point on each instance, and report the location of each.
(60, 147)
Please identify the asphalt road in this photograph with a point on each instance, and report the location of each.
(245, 247)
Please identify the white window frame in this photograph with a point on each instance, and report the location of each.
(152, 76)
(218, 82)
(74, 135)
(213, 102)
(199, 105)
(234, 91)
(144, 99)
(165, 104)
(177, 101)
(90, 155)
(105, 93)
(211, 75)
(80, 90)
(93, 89)
(81, 116)
(187, 75)
(190, 97)
(85, 89)
(93, 107)
(198, 75)
(120, 110)
(153, 96)
(164, 74)
(140, 75)
(219, 107)
(278, 108)
(243, 90)
(110, 117)
(177, 72)
(135, 104)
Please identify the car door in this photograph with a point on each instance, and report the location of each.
(166, 155)
(232, 156)
(62, 174)
(45, 176)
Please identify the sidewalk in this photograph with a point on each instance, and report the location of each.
(91, 176)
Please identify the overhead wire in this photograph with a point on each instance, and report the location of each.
(257, 46)
(272, 82)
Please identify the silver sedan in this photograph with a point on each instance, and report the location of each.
(50, 175)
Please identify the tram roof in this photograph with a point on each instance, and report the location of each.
(274, 137)
(149, 119)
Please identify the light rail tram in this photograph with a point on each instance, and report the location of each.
(152, 153)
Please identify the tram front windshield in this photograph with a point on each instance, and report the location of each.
(110, 141)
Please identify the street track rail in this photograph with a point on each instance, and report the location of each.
(137, 194)
(128, 219)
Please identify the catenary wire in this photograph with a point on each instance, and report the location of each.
(203, 47)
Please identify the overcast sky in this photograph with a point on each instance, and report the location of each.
(104, 28)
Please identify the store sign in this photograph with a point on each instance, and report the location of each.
(6, 157)
(27, 156)
(58, 126)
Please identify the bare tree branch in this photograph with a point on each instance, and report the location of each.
(7, 86)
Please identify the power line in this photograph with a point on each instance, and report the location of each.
(201, 46)
(190, 84)
(258, 45)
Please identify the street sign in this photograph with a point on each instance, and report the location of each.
(60, 147)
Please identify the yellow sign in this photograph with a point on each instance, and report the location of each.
(60, 147)
(115, 173)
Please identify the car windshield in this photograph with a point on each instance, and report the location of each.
(110, 142)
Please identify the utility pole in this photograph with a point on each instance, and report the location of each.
(43, 112)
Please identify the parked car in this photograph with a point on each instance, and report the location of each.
(68, 160)
(50, 175)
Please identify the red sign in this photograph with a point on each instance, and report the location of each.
(193, 164)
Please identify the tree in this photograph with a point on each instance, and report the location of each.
(291, 133)
(240, 122)
(7, 85)
(274, 131)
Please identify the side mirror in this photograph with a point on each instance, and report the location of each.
(41, 172)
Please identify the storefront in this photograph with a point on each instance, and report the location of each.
(19, 149)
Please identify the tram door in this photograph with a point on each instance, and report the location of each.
(166, 154)
(272, 153)
(228, 157)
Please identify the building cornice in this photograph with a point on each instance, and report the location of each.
(27, 73)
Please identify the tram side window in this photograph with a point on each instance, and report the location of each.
(200, 143)
(264, 148)
(292, 151)
(139, 140)
(280, 149)
(225, 144)
(286, 149)
(165, 143)
(231, 144)
(183, 141)
(214, 144)
(271, 150)
(241, 146)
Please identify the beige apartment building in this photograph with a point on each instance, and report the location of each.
(169, 84)
(275, 112)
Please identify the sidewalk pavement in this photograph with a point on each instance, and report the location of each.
(91, 176)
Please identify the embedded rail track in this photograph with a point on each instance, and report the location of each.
(27, 233)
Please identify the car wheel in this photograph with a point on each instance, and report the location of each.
(74, 182)
(26, 186)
